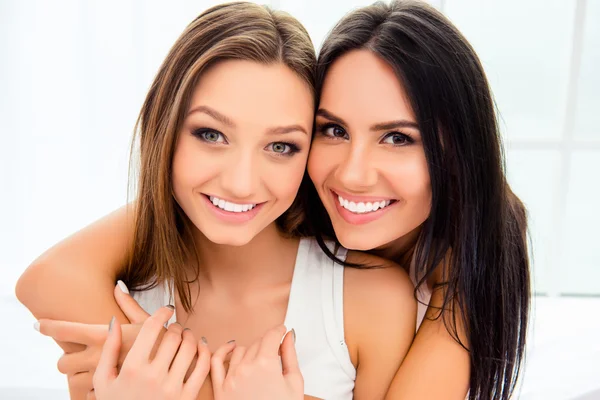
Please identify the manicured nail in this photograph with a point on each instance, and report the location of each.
(122, 286)
(112, 322)
(294, 335)
(36, 325)
(204, 341)
(172, 307)
(231, 341)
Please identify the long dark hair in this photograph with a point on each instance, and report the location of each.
(476, 230)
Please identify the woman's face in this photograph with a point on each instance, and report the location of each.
(367, 159)
(242, 151)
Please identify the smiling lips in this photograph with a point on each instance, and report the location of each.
(231, 212)
(229, 206)
(358, 212)
(363, 207)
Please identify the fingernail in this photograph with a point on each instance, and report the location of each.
(204, 341)
(112, 322)
(122, 286)
(231, 341)
(170, 306)
(294, 335)
(36, 325)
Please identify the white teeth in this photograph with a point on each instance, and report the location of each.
(360, 207)
(229, 206)
(352, 206)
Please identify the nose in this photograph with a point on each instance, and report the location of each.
(239, 175)
(357, 172)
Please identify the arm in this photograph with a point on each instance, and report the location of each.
(75, 279)
(436, 367)
(379, 320)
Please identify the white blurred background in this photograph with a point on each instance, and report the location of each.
(73, 75)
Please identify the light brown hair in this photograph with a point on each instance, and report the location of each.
(163, 242)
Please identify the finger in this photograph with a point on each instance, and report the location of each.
(252, 351)
(183, 358)
(81, 382)
(168, 348)
(236, 358)
(74, 332)
(289, 358)
(217, 364)
(269, 345)
(75, 363)
(107, 366)
(91, 395)
(130, 307)
(143, 345)
(193, 385)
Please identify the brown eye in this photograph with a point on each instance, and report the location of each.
(334, 131)
(397, 139)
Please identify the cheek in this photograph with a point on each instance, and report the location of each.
(321, 162)
(411, 181)
(284, 180)
(190, 168)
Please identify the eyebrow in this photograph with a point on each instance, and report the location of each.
(279, 130)
(214, 114)
(383, 126)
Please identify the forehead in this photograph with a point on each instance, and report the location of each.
(246, 90)
(360, 85)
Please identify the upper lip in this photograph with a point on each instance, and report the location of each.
(233, 201)
(360, 199)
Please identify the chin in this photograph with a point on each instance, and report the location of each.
(230, 239)
(358, 242)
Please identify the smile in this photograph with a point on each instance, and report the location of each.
(363, 207)
(229, 206)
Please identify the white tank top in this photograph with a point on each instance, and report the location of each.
(316, 312)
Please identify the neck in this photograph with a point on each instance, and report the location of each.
(400, 250)
(267, 260)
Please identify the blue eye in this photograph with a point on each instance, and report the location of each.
(397, 139)
(333, 131)
(283, 149)
(210, 136)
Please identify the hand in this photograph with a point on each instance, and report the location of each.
(161, 378)
(80, 366)
(258, 372)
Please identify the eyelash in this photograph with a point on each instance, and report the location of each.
(200, 134)
(322, 130)
(293, 149)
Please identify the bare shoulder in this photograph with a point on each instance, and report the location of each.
(380, 314)
(379, 305)
(379, 280)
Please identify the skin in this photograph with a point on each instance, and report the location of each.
(248, 112)
(162, 377)
(367, 147)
